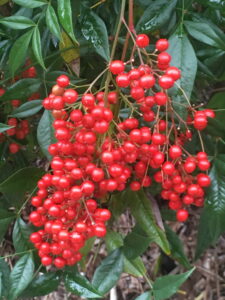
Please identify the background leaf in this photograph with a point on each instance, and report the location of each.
(109, 271)
(94, 30)
(6, 218)
(4, 278)
(4, 127)
(27, 109)
(45, 132)
(17, 22)
(21, 235)
(212, 221)
(52, 22)
(21, 276)
(166, 286)
(37, 47)
(30, 3)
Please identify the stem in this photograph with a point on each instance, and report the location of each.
(114, 50)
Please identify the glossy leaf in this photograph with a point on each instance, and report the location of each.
(142, 211)
(17, 185)
(134, 267)
(177, 251)
(45, 132)
(109, 271)
(42, 285)
(30, 3)
(27, 109)
(21, 234)
(94, 30)
(216, 128)
(135, 243)
(21, 89)
(4, 127)
(21, 276)
(212, 221)
(17, 22)
(18, 52)
(184, 58)
(52, 22)
(6, 218)
(4, 278)
(166, 286)
(36, 46)
(145, 296)
(156, 15)
(206, 33)
(65, 17)
(79, 285)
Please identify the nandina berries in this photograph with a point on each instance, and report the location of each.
(142, 40)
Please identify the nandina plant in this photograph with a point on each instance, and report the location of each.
(122, 133)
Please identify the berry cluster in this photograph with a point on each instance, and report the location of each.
(97, 153)
(20, 127)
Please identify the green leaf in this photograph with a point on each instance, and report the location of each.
(21, 89)
(21, 276)
(36, 46)
(184, 58)
(30, 3)
(52, 22)
(65, 17)
(156, 15)
(142, 211)
(18, 52)
(42, 285)
(95, 31)
(109, 271)
(216, 128)
(134, 267)
(4, 278)
(45, 132)
(145, 296)
(6, 218)
(177, 251)
(204, 31)
(21, 182)
(212, 221)
(79, 285)
(27, 109)
(166, 286)
(135, 243)
(21, 234)
(4, 127)
(17, 22)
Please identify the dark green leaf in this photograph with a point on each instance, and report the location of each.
(205, 32)
(156, 15)
(216, 128)
(65, 17)
(21, 182)
(79, 285)
(21, 276)
(45, 132)
(52, 22)
(27, 109)
(142, 211)
(135, 243)
(166, 286)
(145, 296)
(36, 46)
(4, 127)
(212, 221)
(6, 218)
(21, 89)
(94, 30)
(177, 251)
(4, 278)
(30, 3)
(184, 58)
(18, 52)
(109, 271)
(134, 267)
(21, 234)
(42, 285)
(17, 22)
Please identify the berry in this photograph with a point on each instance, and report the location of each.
(116, 67)
(182, 215)
(142, 40)
(162, 45)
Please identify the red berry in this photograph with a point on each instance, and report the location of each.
(116, 67)
(164, 58)
(173, 72)
(142, 40)
(123, 80)
(182, 215)
(166, 82)
(162, 45)
(63, 81)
